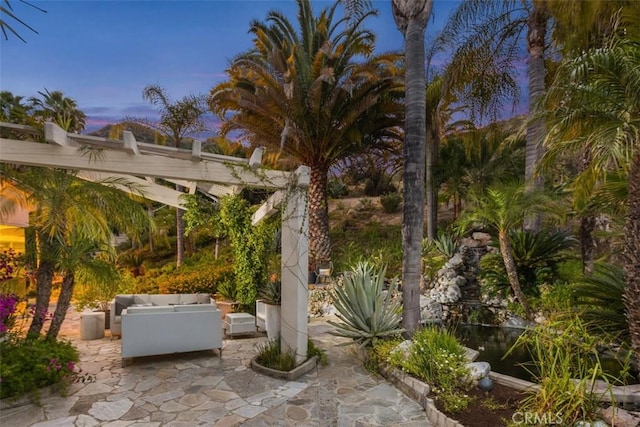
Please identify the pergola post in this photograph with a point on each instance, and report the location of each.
(295, 260)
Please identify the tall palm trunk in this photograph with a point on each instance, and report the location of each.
(512, 273)
(431, 191)
(64, 301)
(411, 18)
(632, 254)
(319, 242)
(43, 283)
(537, 28)
(587, 242)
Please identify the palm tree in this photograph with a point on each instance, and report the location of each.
(178, 120)
(502, 209)
(598, 103)
(7, 10)
(411, 18)
(496, 28)
(72, 218)
(57, 108)
(317, 93)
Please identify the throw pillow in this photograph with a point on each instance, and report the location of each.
(123, 302)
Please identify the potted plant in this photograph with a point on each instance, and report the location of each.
(271, 297)
(226, 297)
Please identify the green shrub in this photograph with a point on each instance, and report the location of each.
(28, 365)
(600, 301)
(199, 278)
(537, 257)
(270, 356)
(566, 363)
(337, 189)
(391, 202)
(312, 350)
(366, 310)
(438, 358)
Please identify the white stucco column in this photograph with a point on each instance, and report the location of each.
(295, 260)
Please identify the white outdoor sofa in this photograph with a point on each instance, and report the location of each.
(167, 324)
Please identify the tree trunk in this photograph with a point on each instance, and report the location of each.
(64, 301)
(411, 19)
(537, 28)
(43, 284)
(319, 241)
(587, 243)
(431, 191)
(632, 254)
(151, 214)
(179, 233)
(512, 273)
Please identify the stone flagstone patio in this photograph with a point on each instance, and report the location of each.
(203, 389)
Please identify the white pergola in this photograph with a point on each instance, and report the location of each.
(102, 159)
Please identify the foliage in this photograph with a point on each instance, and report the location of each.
(391, 202)
(436, 357)
(312, 350)
(270, 356)
(566, 363)
(366, 309)
(599, 300)
(447, 242)
(97, 285)
(8, 305)
(202, 213)
(537, 257)
(30, 364)
(355, 242)
(10, 263)
(252, 246)
(378, 183)
(432, 260)
(227, 291)
(337, 189)
(271, 292)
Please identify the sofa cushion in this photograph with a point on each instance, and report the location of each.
(203, 298)
(165, 299)
(122, 302)
(142, 299)
(188, 299)
(195, 307)
(154, 309)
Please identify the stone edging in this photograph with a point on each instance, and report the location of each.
(305, 367)
(418, 391)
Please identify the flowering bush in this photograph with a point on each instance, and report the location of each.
(436, 357)
(8, 307)
(30, 364)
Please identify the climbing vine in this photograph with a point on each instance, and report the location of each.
(252, 246)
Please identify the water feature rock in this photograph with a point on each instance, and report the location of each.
(515, 322)
(430, 310)
(478, 370)
(619, 417)
(482, 237)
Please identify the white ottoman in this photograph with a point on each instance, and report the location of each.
(239, 323)
(92, 325)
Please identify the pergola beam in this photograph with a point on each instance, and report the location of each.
(137, 187)
(65, 157)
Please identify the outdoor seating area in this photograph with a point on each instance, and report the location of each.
(200, 388)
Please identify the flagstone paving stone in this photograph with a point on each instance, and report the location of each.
(202, 388)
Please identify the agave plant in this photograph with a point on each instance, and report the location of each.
(366, 310)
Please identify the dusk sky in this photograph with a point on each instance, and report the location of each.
(103, 53)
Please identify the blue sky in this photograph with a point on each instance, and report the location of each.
(103, 53)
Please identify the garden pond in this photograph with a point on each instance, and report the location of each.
(493, 342)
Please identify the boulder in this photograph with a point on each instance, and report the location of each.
(619, 417)
(478, 370)
(485, 238)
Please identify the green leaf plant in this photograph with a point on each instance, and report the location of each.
(366, 309)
